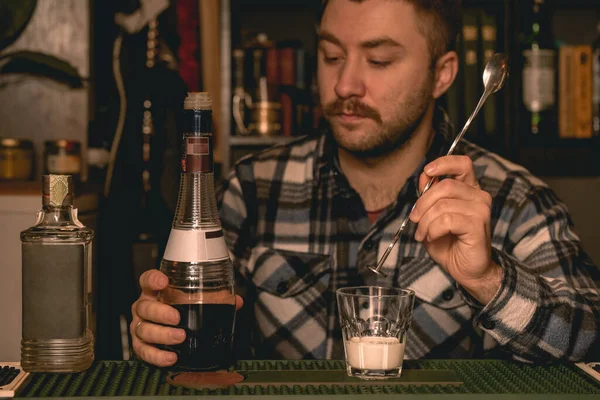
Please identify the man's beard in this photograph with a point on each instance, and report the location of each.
(385, 138)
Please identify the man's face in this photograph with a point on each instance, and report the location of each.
(374, 74)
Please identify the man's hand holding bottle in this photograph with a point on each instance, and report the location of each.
(154, 323)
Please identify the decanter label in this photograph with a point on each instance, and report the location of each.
(53, 291)
(198, 156)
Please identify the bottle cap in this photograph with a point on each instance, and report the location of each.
(197, 101)
(57, 190)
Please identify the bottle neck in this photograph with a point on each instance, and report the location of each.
(56, 216)
(541, 30)
(196, 205)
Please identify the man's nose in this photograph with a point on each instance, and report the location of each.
(350, 81)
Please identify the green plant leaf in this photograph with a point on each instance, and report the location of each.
(43, 65)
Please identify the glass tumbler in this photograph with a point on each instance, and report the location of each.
(374, 322)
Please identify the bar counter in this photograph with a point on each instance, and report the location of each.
(327, 379)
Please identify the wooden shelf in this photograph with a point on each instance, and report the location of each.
(571, 4)
(34, 187)
(242, 141)
(21, 187)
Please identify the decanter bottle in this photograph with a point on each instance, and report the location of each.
(57, 285)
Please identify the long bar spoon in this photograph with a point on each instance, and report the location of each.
(494, 76)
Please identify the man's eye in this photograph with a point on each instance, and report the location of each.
(331, 60)
(379, 63)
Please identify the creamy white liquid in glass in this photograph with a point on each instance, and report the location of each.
(374, 353)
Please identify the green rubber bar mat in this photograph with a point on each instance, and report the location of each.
(126, 378)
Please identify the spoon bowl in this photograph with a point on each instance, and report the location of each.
(495, 72)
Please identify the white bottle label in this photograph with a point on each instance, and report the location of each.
(539, 92)
(196, 245)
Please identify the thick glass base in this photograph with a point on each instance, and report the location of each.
(372, 374)
(58, 355)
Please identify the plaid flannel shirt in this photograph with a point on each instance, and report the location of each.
(297, 232)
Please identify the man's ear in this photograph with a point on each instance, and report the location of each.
(446, 69)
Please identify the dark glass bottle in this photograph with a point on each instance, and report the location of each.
(539, 73)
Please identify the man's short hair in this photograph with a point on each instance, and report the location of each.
(442, 23)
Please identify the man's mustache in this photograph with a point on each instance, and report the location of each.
(352, 106)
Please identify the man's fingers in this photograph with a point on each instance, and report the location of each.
(152, 355)
(451, 189)
(448, 223)
(239, 302)
(152, 281)
(157, 334)
(152, 310)
(477, 213)
(458, 167)
(424, 180)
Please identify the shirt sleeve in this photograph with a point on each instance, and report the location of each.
(548, 305)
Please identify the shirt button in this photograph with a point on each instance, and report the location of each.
(282, 287)
(488, 323)
(448, 294)
(369, 245)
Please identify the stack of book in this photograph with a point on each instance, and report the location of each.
(285, 68)
(477, 43)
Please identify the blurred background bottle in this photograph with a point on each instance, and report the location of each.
(196, 259)
(57, 285)
(596, 84)
(63, 157)
(539, 74)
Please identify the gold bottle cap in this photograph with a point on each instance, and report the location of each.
(57, 190)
